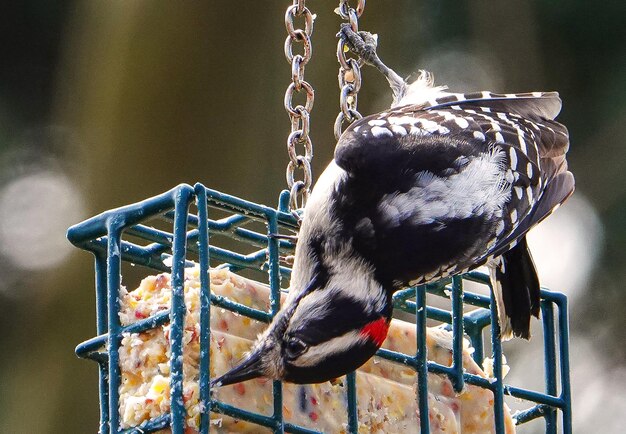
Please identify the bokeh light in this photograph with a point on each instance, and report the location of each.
(566, 246)
(35, 211)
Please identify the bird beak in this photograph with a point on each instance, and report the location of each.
(250, 368)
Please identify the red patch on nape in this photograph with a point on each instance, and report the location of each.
(376, 331)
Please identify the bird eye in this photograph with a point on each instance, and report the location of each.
(294, 347)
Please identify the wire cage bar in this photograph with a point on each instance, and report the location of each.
(121, 236)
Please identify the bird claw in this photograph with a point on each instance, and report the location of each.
(289, 259)
(297, 216)
(364, 45)
(292, 238)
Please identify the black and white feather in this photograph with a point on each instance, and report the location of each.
(440, 184)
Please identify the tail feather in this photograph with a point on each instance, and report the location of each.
(517, 290)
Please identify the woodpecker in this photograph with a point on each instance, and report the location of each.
(437, 185)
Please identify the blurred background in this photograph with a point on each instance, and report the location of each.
(106, 103)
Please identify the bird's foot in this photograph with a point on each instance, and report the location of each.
(288, 259)
(292, 238)
(298, 216)
(364, 45)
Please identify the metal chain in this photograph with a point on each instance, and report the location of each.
(300, 114)
(349, 69)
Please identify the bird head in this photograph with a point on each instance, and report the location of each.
(322, 333)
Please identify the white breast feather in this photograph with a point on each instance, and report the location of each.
(421, 91)
(316, 215)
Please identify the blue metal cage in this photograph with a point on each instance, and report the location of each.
(122, 236)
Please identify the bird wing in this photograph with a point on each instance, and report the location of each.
(395, 152)
(546, 105)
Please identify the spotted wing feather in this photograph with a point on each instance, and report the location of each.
(441, 138)
(545, 105)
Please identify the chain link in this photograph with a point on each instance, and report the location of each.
(349, 70)
(300, 114)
